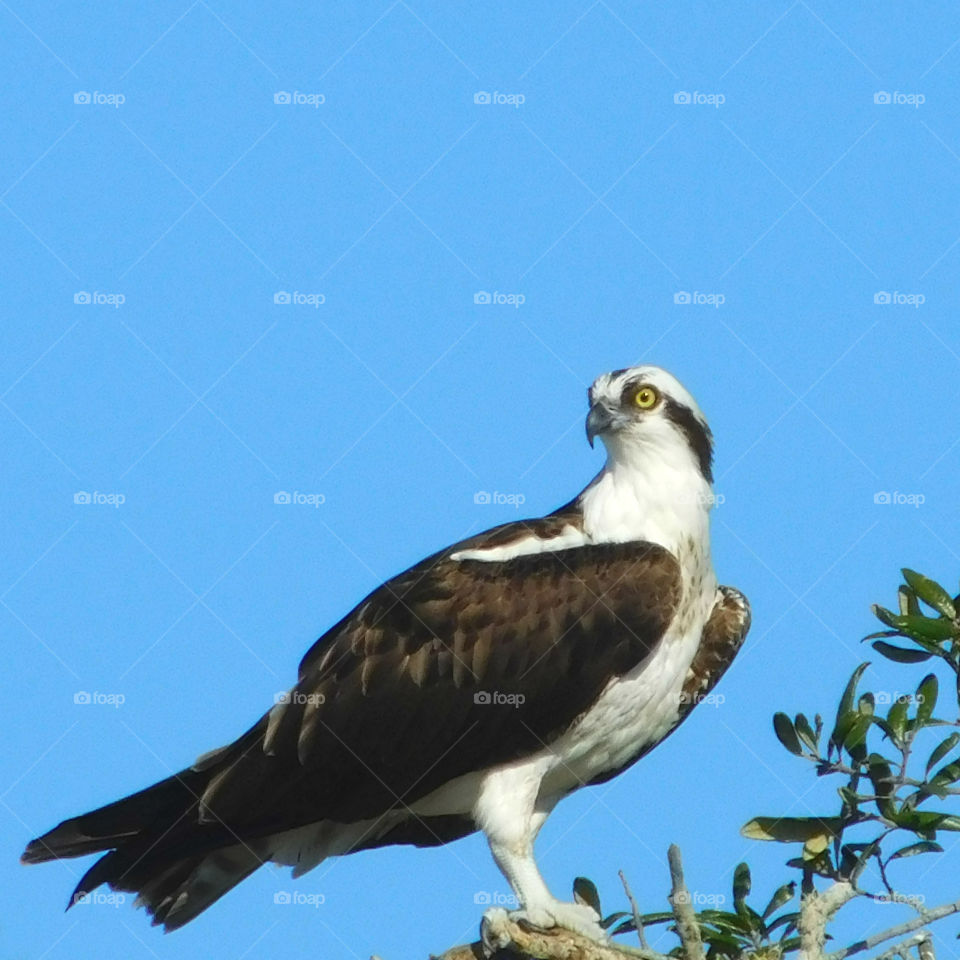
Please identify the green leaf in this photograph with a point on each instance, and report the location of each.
(897, 718)
(885, 616)
(930, 592)
(741, 883)
(926, 628)
(846, 706)
(790, 829)
(924, 846)
(781, 896)
(900, 654)
(585, 892)
(846, 701)
(788, 918)
(881, 776)
(941, 750)
(907, 599)
(783, 727)
(926, 698)
(855, 740)
(926, 822)
(915, 626)
(806, 733)
(946, 775)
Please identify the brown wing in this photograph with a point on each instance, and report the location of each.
(451, 667)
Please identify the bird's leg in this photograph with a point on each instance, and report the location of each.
(511, 831)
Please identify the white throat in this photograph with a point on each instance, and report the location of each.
(652, 492)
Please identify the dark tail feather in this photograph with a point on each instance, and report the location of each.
(109, 826)
(158, 847)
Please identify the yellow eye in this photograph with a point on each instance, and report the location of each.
(645, 398)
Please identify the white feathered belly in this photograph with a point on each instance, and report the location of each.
(635, 712)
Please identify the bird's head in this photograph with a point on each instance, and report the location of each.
(644, 410)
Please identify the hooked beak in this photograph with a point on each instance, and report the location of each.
(599, 419)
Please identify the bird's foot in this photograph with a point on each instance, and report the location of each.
(577, 917)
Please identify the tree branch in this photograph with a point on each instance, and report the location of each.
(900, 949)
(817, 908)
(518, 942)
(926, 916)
(687, 927)
(637, 920)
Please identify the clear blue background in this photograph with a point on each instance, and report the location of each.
(597, 199)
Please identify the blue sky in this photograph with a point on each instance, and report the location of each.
(248, 249)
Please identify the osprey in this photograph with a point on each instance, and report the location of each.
(471, 692)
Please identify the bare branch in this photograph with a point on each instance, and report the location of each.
(926, 916)
(508, 939)
(817, 908)
(687, 927)
(637, 920)
(902, 948)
